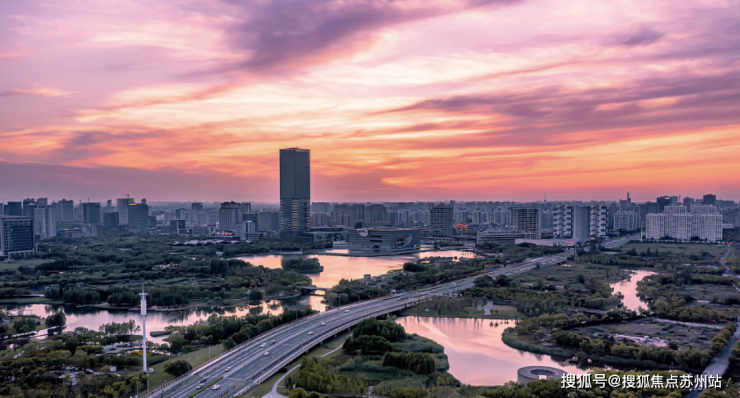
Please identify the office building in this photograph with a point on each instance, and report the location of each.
(42, 202)
(138, 216)
(441, 221)
(710, 199)
(177, 227)
(13, 209)
(28, 207)
(122, 205)
(704, 223)
(16, 236)
(196, 206)
(43, 223)
(498, 237)
(527, 220)
(91, 213)
(731, 216)
(319, 220)
(268, 221)
(110, 220)
(384, 240)
(229, 215)
(502, 217)
(663, 201)
(376, 215)
(295, 192)
(321, 207)
(688, 202)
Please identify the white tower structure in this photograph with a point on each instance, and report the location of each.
(143, 327)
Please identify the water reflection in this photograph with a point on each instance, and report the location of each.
(477, 355)
(92, 318)
(628, 288)
(344, 267)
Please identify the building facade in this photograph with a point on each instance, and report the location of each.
(91, 213)
(704, 223)
(44, 226)
(527, 220)
(384, 240)
(16, 236)
(295, 192)
(441, 221)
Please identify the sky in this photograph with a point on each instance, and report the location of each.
(398, 100)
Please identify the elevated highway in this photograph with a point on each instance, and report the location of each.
(249, 364)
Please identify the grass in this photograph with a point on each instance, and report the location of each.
(566, 275)
(195, 358)
(685, 336)
(710, 292)
(497, 312)
(31, 262)
(682, 248)
(264, 388)
(40, 326)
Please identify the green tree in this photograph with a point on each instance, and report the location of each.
(178, 368)
(56, 320)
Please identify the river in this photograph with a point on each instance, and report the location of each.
(335, 268)
(628, 288)
(338, 267)
(476, 353)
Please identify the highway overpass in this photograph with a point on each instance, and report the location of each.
(252, 362)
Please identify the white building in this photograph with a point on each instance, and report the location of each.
(625, 221)
(677, 223)
(122, 209)
(562, 220)
(599, 219)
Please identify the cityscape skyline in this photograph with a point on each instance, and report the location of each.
(576, 100)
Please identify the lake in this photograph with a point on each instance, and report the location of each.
(476, 353)
(337, 267)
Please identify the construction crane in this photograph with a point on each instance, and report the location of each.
(127, 195)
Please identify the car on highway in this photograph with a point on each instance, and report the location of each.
(228, 368)
(310, 332)
(267, 353)
(272, 342)
(201, 384)
(263, 345)
(346, 310)
(216, 387)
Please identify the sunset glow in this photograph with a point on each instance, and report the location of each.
(397, 100)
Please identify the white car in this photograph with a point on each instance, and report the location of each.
(310, 332)
(228, 368)
(323, 324)
(267, 353)
(216, 387)
(263, 345)
(201, 384)
(346, 310)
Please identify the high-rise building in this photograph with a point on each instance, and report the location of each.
(28, 207)
(581, 223)
(527, 220)
(122, 205)
(710, 199)
(295, 192)
(625, 221)
(663, 201)
(599, 219)
(42, 202)
(704, 223)
(110, 220)
(229, 215)
(16, 236)
(196, 206)
(268, 221)
(177, 227)
(319, 220)
(13, 209)
(44, 226)
(138, 216)
(688, 202)
(502, 217)
(562, 220)
(441, 221)
(91, 213)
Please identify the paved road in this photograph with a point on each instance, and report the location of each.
(251, 362)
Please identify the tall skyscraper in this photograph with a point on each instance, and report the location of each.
(663, 201)
(28, 207)
(527, 220)
(295, 192)
(122, 209)
(196, 206)
(91, 213)
(710, 199)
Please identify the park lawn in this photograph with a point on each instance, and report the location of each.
(567, 274)
(12, 266)
(41, 325)
(682, 248)
(264, 388)
(711, 292)
(497, 312)
(697, 337)
(196, 358)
